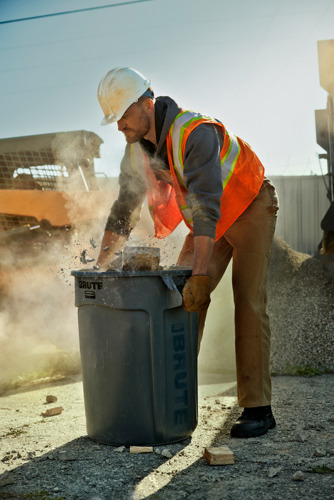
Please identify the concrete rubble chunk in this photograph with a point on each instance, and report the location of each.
(120, 449)
(273, 471)
(318, 452)
(298, 476)
(52, 411)
(51, 399)
(166, 453)
(301, 437)
(141, 259)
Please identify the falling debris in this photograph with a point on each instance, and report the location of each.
(84, 258)
(52, 411)
(222, 455)
(51, 399)
(141, 449)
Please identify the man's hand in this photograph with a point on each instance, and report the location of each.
(110, 243)
(196, 293)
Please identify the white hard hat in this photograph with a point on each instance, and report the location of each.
(118, 89)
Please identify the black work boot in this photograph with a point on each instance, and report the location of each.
(253, 422)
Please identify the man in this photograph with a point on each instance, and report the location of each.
(192, 169)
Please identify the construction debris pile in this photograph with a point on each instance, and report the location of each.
(301, 309)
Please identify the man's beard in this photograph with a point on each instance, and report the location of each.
(142, 130)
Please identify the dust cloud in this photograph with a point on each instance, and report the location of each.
(38, 318)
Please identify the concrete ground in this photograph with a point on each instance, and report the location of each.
(53, 457)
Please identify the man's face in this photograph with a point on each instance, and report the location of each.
(135, 123)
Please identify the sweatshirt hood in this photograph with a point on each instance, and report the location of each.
(170, 113)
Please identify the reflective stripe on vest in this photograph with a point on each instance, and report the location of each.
(180, 124)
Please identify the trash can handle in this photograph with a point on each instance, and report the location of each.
(169, 282)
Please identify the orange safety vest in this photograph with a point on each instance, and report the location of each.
(242, 176)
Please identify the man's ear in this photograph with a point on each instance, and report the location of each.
(148, 105)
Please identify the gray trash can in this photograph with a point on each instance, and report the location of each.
(139, 356)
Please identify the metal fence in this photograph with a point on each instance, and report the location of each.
(303, 203)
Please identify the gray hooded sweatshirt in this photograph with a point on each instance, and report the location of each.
(202, 171)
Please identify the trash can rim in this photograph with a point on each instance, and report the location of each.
(179, 271)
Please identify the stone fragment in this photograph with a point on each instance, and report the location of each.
(166, 453)
(52, 411)
(120, 449)
(51, 399)
(318, 452)
(300, 437)
(273, 471)
(298, 476)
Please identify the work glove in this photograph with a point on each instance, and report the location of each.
(196, 293)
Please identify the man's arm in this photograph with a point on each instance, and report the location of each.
(203, 248)
(203, 175)
(202, 168)
(124, 212)
(110, 243)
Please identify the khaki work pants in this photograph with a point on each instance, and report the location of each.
(248, 242)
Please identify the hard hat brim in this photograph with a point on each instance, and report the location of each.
(114, 117)
(109, 119)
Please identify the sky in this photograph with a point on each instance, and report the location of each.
(251, 64)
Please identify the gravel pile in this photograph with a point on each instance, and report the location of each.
(301, 309)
